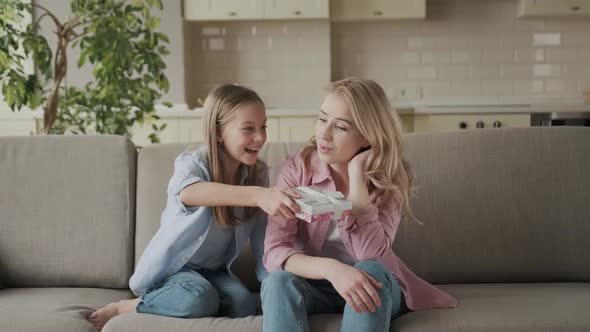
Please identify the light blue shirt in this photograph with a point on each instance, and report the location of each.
(188, 232)
(210, 255)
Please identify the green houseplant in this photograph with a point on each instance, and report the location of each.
(119, 39)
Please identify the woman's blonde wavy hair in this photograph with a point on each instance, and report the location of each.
(381, 126)
(220, 106)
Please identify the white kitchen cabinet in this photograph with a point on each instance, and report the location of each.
(177, 130)
(223, 10)
(300, 128)
(273, 129)
(553, 8)
(190, 130)
(17, 126)
(450, 122)
(407, 122)
(301, 9)
(355, 10)
(297, 129)
(17, 123)
(140, 135)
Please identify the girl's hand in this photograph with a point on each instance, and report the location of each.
(357, 163)
(357, 287)
(278, 202)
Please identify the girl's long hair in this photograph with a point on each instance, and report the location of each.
(220, 106)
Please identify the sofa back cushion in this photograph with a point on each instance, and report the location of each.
(67, 211)
(499, 205)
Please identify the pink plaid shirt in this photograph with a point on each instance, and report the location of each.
(368, 235)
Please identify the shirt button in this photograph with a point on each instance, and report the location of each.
(200, 238)
(184, 258)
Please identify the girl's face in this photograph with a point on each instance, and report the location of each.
(243, 136)
(337, 138)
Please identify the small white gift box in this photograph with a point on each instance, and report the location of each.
(319, 205)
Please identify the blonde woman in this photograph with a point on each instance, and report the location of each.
(349, 267)
(186, 269)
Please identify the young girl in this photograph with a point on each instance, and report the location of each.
(331, 267)
(185, 271)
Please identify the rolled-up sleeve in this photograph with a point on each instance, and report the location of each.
(188, 170)
(281, 233)
(372, 229)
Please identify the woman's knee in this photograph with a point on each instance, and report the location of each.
(278, 279)
(280, 282)
(378, 271)
(391, 287)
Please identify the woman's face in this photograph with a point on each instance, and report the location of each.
(338, 140)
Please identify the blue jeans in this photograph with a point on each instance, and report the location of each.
(192, 294)
(288, 299)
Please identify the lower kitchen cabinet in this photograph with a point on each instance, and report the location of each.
(297, 129)
(449, 122)
(283, 128)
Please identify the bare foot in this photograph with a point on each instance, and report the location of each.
(100, 317)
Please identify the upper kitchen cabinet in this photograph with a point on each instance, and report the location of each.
(300, 9)
(553, 8)
(355, 10)
(223, 10)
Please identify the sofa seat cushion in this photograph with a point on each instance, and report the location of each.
(482, 307)
(152, 323)
(53, 309)
(507, 307)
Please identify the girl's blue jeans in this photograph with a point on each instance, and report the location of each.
(192, 294)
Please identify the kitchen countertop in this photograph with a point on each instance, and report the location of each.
(418, 108)
(409, 109)
(181, 111)
(512, 109)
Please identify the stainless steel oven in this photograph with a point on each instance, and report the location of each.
(580, 119)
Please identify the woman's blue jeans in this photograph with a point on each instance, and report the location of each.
(288, 299)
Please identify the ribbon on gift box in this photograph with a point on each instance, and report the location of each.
(328, 197)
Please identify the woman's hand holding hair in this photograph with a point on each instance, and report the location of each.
(358, 191)
(357, 163)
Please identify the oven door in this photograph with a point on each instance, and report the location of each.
(580, 119)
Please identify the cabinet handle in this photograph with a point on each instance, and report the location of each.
(297, 12)
(377, 13)
(233, 14)
(575, 8)
(480, 124)
(463, 125)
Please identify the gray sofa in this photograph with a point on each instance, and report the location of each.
(506, 216)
